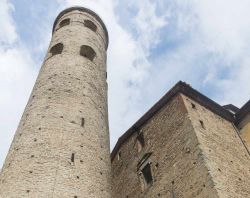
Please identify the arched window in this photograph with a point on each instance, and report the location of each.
(87, 52)
(64, 23)
(56, 49)
(89, 24)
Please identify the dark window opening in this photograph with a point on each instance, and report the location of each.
(202, 124)
(56, 49)
(87, 52)
(193, 105)
(73, 157)
(82, 123)
(147, 174)
(64, 23)
(89, 24)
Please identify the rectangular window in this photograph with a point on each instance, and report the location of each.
(147, 174)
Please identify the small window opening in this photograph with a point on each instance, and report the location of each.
(89, 24)
(157, 165)
(73, 157)
(64, 23)
(140, 138)
(87, 52)
(193, 105)
(56, 49)
(202, 124)
(147, 174)
(82, 123)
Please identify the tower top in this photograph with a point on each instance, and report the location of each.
(83, 9)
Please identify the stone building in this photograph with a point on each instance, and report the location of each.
(61, 146)
(185, 146)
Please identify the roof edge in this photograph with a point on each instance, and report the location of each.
(180, 87)
(83, 9)
(242, 113)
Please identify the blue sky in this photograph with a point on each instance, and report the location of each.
(153, 45)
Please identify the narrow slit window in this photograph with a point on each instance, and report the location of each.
(89, 24)
(87, 52)
(147, 174)
(82, 123)
(202, 124)
(56, 49)
(73, 157)
(64, 23)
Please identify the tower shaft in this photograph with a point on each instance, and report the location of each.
(61, 146)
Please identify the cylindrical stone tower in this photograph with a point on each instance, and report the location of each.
(61, 147)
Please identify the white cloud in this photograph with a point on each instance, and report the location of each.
(225, 30)
(17, 78)
(148, 23)
(214, 37)
(127, 59)
(214, 52)
(7, 31)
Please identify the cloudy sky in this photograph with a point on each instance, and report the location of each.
(153, 45)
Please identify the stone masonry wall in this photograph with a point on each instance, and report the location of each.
(177, 163)
(224, 153)
(244, 127)
(61, 146)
